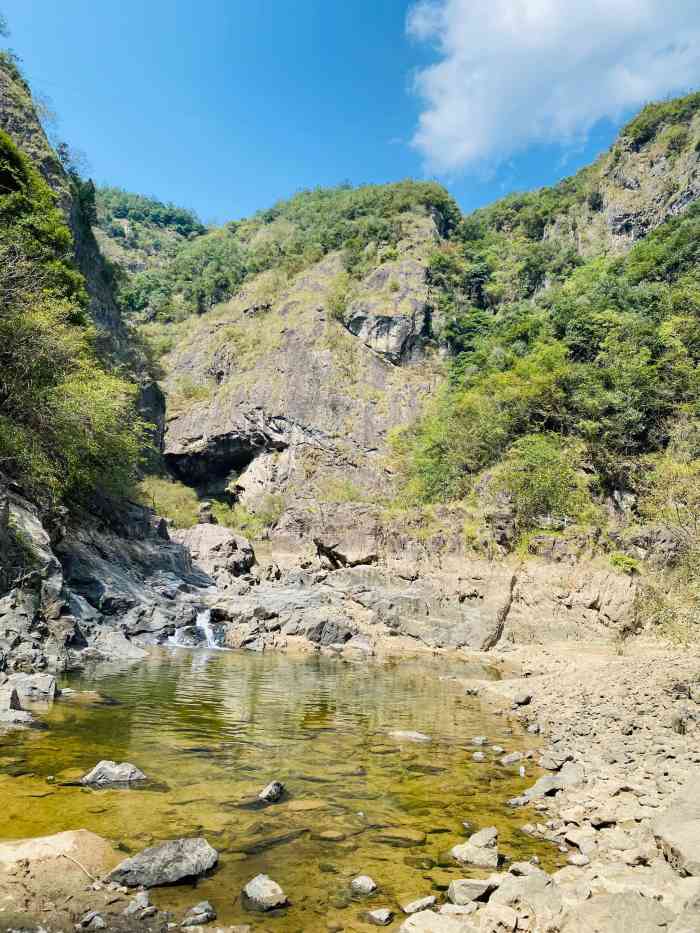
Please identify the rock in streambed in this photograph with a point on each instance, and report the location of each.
(106, 773)
(167, 863)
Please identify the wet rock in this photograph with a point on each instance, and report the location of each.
(478, 756)
(480, 740)
(272, 793)
(522, 698)
(617, 912)
(262, 893)
(167, 863)
(677, 829)
(34, 688)
(109, 772)
(480, 849)
(381, 917)
(423, 903)
(199, 914)
(401, 736)
(363, 884)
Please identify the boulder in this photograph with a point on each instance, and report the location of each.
(677, 829)
(9, 698)
(621, 913)
(426, 921)
(465, 890)
(109, 772)
(363, 884)
(380, 917)
(272, 793)
(495, 918)
(481, 849)
(90, 850)
(168, 863)
(34, 687)
(262, 893)
(217, 551)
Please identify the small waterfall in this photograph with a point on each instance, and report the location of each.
(200, 634)
(203, 623)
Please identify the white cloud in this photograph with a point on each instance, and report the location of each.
(511, 73)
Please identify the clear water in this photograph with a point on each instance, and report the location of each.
(212, 728)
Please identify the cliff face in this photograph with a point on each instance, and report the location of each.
(19, 118)
(279, 394)
(633, 188)
(286, 396)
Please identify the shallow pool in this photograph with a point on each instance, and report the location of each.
(212, 728)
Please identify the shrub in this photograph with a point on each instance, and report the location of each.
(539, 473)
(171, 499)
(68, 427)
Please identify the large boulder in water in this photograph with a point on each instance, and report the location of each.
(168, 863)
(106, 773)
(217, 550)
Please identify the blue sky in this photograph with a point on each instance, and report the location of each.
(227, 105)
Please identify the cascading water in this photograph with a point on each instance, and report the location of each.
(202, 633)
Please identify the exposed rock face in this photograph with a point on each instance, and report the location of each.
(303, 413)
(217, 551)
(168, 863)
(86, 591)
(640, 188)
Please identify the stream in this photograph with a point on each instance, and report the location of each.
(212, 728)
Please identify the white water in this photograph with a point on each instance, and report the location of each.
(203, 623)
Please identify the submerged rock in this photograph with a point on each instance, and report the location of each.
(109, 772)
(167, 863)
(407, 736)
(262, 893)
(199, 914)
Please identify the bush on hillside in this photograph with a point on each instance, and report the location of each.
(68, 428)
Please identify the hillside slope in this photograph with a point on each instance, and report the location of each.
(295, 343)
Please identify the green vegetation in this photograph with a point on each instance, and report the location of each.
(541, 475)
(288, 237)
(171, 499)
(68, 427)
(603, 361)
(254, 524)
(645, 125)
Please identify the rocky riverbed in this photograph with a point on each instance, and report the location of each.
(615, 799)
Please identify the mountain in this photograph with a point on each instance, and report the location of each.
(337, 363)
